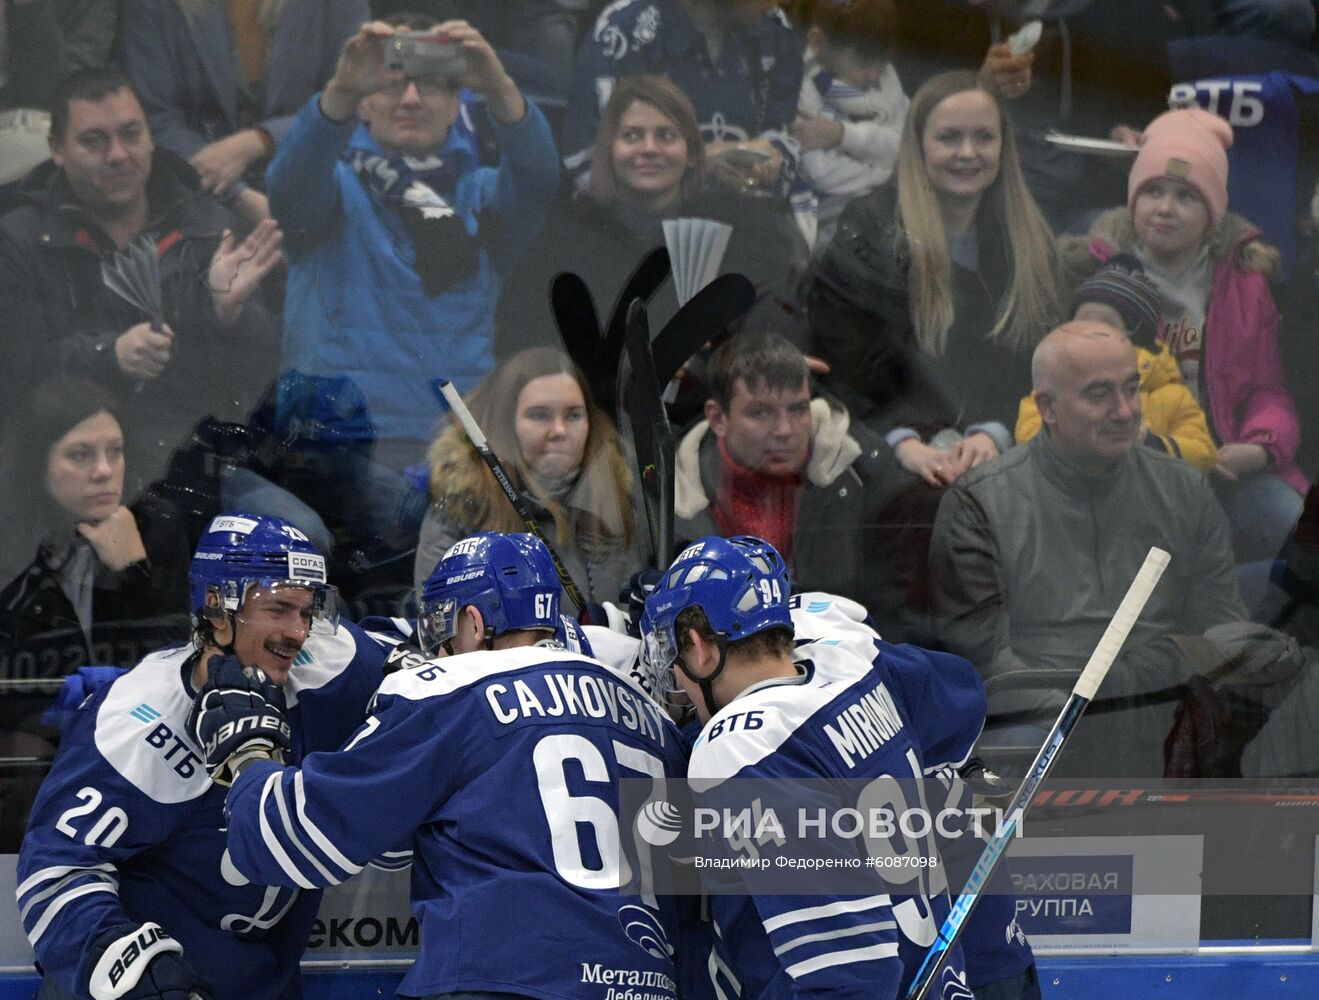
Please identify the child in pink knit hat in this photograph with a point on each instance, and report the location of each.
(1218, 315)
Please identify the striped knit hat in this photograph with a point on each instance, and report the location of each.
(1123, 286)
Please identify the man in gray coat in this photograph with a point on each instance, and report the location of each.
(1033, 551)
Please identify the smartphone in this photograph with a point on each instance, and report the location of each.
(420, 53)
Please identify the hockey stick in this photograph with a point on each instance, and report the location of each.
(578, 324)
(704, 317)
(596, 351)
(479, 442)
(652, 434)
(723, 301)
(1110, 644)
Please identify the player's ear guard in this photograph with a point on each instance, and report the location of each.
(140, 963)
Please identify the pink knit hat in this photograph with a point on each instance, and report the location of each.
(1191, 145)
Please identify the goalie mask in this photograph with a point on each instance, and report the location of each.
(736, 589)
(510, 579)
(241, 556)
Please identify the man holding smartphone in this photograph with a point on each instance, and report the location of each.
(398, 242)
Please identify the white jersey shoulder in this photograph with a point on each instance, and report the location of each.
(448, 674)
(616, 650)
(764, 717)
(820, 619)
(142, 732)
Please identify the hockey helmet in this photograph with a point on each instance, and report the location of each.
(240, 555)
(510, 579)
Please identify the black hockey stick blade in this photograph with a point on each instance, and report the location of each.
(645, 280)
(723, 301)
(642, 284)
(579, 328)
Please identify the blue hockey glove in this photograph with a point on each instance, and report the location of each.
(238, 717)
(140, 963)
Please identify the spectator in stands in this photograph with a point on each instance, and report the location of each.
(1087, 74)
(1032, 552)
(648, 165)
(1172, 421)
(399, 242)
(564, 456)
(738, 61)
(106, 189)
(222, 79)
(42, 42)
(106, 583)
(769, 460)
(851, 110)
(545, 30)
(1220, 321)
(935, 289)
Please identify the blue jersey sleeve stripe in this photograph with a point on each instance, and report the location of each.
(55, 873)
(883, 925)
(268, 837)
(719, 968)
(827, 910)
(291, 835)
(39, 928)
(873, 953)
(314, 832)
(73, 877)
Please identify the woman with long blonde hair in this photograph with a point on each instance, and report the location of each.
(937, 286)
(562, 453)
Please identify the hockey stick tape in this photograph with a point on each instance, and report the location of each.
(1125, 617)
(464, 415)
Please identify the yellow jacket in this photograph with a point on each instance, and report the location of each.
(1176, 423)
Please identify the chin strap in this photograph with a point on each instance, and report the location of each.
(706, 684)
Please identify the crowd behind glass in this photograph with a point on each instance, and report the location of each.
(235, 275)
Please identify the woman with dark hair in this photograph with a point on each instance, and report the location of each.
(564, 456)
(936, 288)
(107, 583)
(648, 164)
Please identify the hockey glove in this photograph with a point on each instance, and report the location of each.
(140, 963)
(238, 717)
(632, 598)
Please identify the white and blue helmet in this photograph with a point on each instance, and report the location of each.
(240, 554)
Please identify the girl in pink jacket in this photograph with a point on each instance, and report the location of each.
(1220, 321)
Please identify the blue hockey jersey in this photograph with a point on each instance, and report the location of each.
(771, 946)
(504, 766)
(993, 943)
(128, 827)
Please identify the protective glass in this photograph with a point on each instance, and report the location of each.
(436, 624)
(291, 606)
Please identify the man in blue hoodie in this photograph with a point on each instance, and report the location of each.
(398, 240)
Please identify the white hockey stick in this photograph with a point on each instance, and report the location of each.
(1110, 644)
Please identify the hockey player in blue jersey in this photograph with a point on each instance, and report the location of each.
(999, 962)
(125, 890)
(502, 761)
(722, 631)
